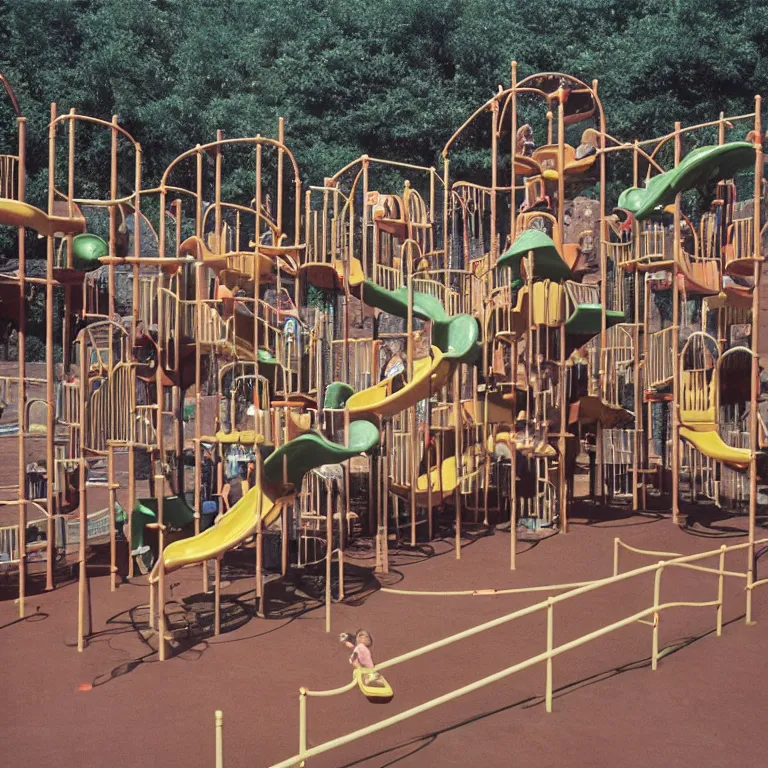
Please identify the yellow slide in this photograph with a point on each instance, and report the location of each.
(232, 529)
(18, 214)
(429, 374)
(443, 483)
(698, 413)
(712, 445)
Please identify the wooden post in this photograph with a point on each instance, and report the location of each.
(754, 443)
(82, 585)
(675, 404)
(49, 339)
(21, 346)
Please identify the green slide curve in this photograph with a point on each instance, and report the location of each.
(702, 165)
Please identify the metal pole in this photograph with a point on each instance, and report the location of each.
(219, 739)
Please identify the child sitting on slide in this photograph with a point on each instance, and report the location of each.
(361, 643)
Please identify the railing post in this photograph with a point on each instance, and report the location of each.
(616, 556)
(219, 739)
(656, 598)
(550, 636)
(720, 591)
(302, 722)
(748, 612)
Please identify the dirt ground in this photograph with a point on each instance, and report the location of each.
(704, 706)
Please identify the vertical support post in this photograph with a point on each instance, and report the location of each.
(550, 644)
(458, 454)
(494, 177)
(217, 596)
(755, 336)
(21, 346)
(656, 618)
(219, 739)
(720, 578)
(112, 524)
(513, 152)
(676, 349)
(562, 483)
(82, 586)
(328, 552)
(302, 721)
(49, 373)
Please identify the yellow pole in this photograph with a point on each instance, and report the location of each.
(219, 739)
(550, 645)
(656, 619)
(721, 565)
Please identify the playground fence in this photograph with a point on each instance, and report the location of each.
(671, 560)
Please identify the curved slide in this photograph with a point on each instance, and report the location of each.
(455, 340)
(288, 464)
(709, 443)
(721, 161)
(443, 481)
(18, 214)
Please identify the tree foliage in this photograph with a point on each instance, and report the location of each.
(392, 79)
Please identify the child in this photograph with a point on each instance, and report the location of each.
(360, 643)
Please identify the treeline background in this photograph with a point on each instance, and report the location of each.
(392, 78)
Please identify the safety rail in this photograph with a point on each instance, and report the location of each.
(362, 358)
(740, 248)
(148, 295)
(621, 253)
(661, 361)
(655, 243)
(390, 278)
(108, 416)
(617, 359)
(580, 293)
(709, 231)
(185, 320)
(66, 535)
(449, 298)
(9, 177)
(618, 456)
(552, 651)
(703, 473)
(9, 388)
(465, 289)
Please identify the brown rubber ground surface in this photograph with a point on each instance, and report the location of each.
(704, 706)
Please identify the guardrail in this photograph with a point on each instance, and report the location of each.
(673, 560)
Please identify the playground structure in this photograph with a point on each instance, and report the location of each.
(441, 350)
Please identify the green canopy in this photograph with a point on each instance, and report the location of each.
(547, 262)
